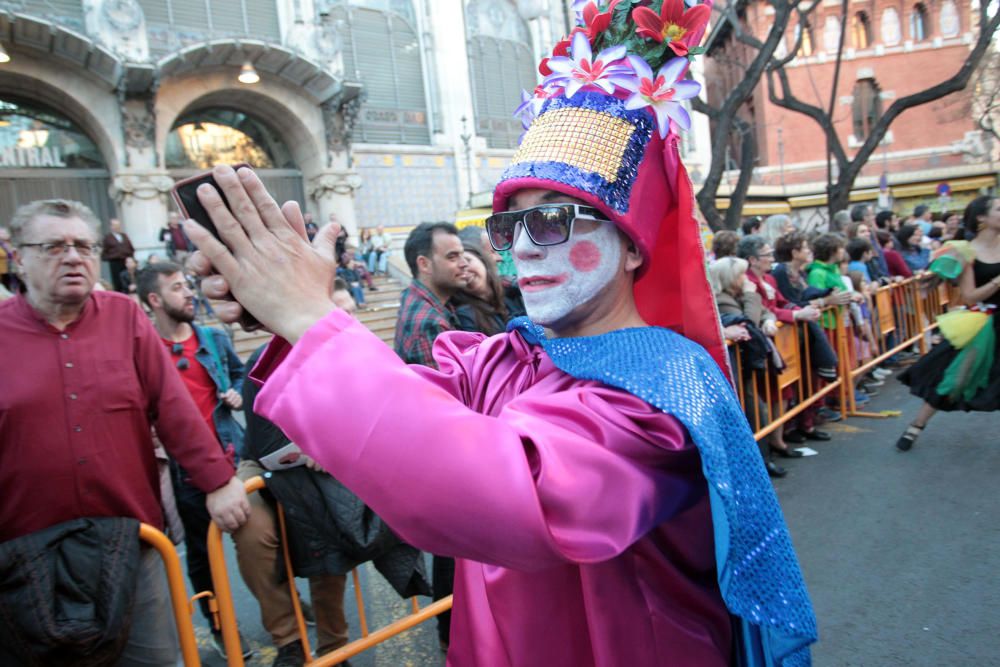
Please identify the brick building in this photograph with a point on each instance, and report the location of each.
(892, 48)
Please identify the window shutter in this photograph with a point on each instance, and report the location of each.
(382, 49)
(500, 69)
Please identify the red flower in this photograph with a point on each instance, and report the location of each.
(562, 46)
(560, 49)
(594, 22)
(673, 24)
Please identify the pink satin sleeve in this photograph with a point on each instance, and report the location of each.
(574, 475)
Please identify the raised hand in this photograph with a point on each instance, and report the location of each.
(265, 263)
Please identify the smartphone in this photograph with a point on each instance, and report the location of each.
(185, 194)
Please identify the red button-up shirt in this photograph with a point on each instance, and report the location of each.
(76, 408)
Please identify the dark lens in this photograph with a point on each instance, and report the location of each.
(182, 364)
(500, 229)
(548, 225)
(177, 348)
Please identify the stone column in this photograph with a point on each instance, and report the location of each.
(141, 198)
(333, 192)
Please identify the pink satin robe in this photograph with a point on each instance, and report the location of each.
(578, 512)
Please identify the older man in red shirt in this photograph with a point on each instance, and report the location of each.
(85, 377)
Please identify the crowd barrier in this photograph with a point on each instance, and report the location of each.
(895, 318)
(183, 608)
(227, 614)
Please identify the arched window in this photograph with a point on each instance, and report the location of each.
(202, 139)
(831, 34)
(382, 51)
(34, 136)
(918, 22)
(866, 108)
(500, 66)
(891, 31)
(806, 48)
(861, 31)
(949, 20)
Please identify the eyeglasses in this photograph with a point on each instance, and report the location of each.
(57, 248)
(177, 349)
(548, 224)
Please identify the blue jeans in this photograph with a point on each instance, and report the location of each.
(378, 261)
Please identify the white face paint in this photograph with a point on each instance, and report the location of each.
(556, 280)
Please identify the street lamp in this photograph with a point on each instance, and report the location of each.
(466, 138)
(248, 74)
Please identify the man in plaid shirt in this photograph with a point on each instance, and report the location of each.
(437, 262)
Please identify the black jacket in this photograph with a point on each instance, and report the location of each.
(66, 593)
(330, 530)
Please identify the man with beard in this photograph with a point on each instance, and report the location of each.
(436, 258)
(213, 375)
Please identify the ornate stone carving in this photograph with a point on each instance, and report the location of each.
(334, 182)
(122, 15)
(140, 185)
(339, 118)
(139, 123)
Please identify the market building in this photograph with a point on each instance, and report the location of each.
(388, 112)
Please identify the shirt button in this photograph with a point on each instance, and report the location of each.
(69, 364)
(72, 397)
(77, 428)
(82, 461)
(64, 336)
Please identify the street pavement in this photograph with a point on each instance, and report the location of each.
(900, 551)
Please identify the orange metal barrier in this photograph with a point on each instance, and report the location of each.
(761, 392)
(227, 614)
(899, 316)
(183, 608)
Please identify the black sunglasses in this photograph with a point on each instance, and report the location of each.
(177, 349)
(548, 224)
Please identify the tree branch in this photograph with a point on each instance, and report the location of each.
(748, 156)
(956, 82)
(736, 97)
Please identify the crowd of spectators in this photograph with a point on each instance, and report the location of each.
(772, 272)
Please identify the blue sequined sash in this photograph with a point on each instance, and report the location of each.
(758, 572)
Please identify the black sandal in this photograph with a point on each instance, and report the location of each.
(910, 435)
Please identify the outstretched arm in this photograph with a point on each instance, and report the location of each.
(577, 475)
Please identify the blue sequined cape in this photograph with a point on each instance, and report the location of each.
(758, 572)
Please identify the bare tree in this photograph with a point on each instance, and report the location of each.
(986, 94)
(723, 116)
(780, 93)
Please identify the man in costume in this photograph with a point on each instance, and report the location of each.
(599, 486)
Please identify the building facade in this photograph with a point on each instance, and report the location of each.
(892, 48)
(383, 112)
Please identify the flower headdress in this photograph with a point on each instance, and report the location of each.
(632, 39)
(603, 127)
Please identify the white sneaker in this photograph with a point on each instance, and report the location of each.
(882, 373)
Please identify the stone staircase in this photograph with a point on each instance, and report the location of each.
(380, 313)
